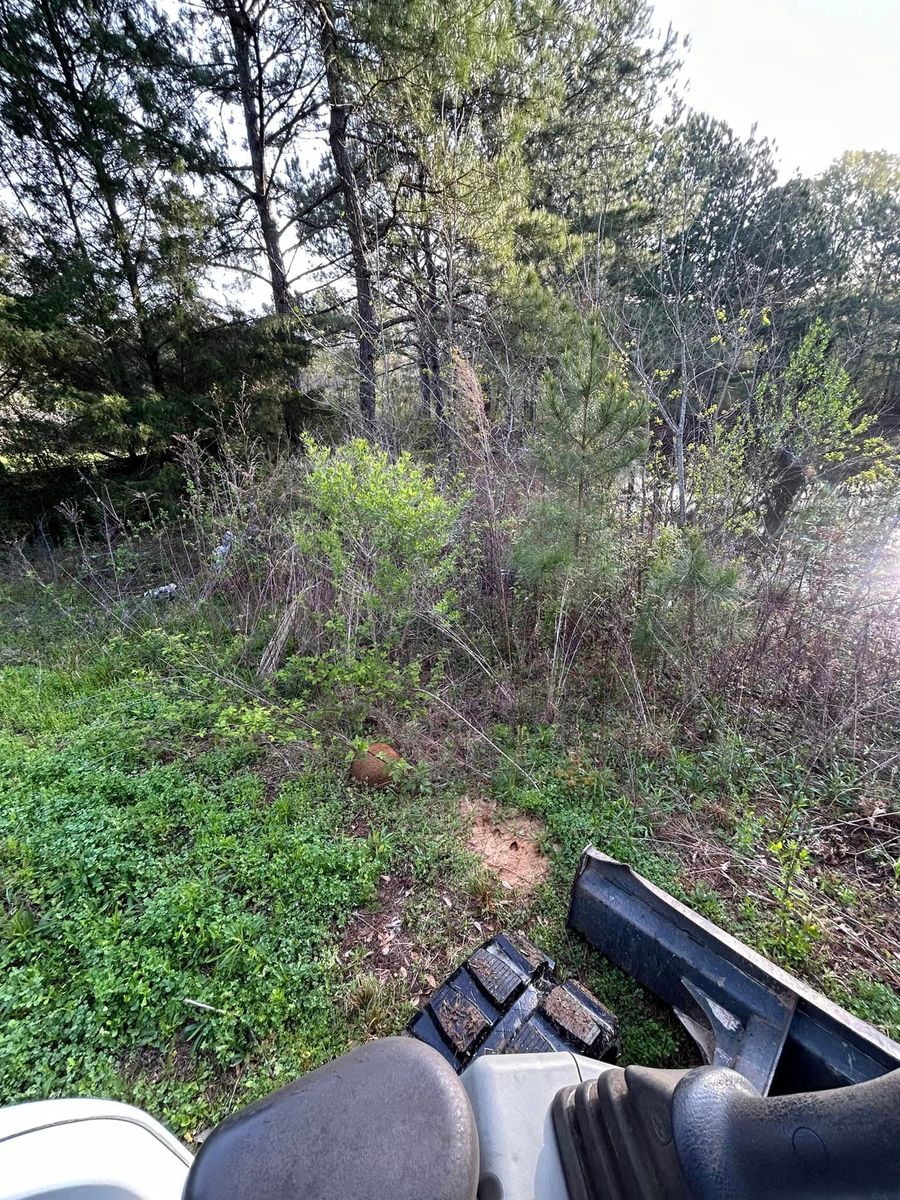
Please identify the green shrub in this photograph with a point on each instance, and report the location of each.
(340, 686)
(382, 535)
(686, 594)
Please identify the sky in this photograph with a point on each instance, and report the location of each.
(816, 76)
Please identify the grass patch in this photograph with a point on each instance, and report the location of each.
(155, 908)
(737, 835)
(183, 863)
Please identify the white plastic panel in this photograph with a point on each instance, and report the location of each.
(511, 1095)
(88, 1150)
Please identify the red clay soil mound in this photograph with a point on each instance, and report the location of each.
(508, 845)
(374, 766)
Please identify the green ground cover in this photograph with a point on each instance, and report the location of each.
(184, 867)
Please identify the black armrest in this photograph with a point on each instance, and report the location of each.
(706, 1134)
(834, 1145)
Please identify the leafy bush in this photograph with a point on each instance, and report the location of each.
(339, 687)
(382, 535)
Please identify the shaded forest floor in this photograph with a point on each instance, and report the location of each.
(199, 905)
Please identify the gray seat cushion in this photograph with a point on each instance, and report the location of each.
(388, 1121)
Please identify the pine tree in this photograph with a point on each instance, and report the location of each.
(591, 429)
(108, 340)
(258, 63)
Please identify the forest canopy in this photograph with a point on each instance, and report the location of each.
(316, 208)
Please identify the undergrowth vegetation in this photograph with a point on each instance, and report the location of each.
(179, 867)
(157, 897)
(187, 869)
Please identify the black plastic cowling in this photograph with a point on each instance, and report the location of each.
(390, 1119)
(707, 1134)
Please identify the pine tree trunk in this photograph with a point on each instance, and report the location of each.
(424, 376)
(432, 348)
(339, 116)
(680, 476)
(242, 36)
(679, 450)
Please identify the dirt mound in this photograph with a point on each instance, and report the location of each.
(507, 844)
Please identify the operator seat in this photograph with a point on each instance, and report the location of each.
(388, 1120)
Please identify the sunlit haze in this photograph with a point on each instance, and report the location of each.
(817, 76)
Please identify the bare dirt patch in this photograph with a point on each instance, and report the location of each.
(508, 845)
(385, 941)
(280, 763)
(377, 935)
